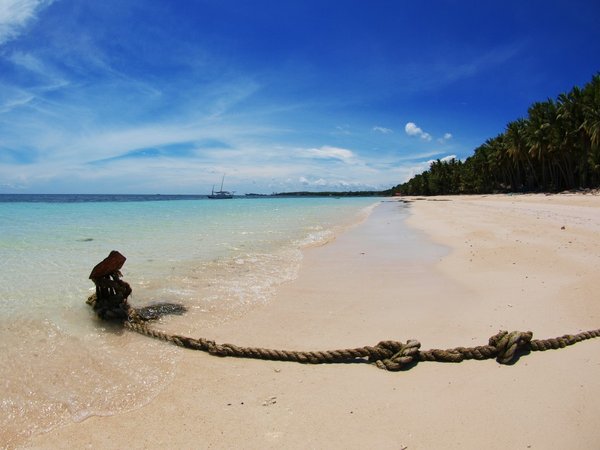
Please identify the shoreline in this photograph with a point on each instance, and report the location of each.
(462, 270)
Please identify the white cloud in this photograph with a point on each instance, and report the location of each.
(445, 138)
(328, 152)
(383, 130)
(412, 129)
(447, 158)
(16, 14)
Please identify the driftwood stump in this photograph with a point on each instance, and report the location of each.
(110, 300)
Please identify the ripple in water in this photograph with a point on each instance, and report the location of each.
(52, 377)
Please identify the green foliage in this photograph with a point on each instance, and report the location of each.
(557, 147)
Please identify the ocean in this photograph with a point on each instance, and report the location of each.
(218, 258)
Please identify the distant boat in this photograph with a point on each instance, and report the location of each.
(221, 194)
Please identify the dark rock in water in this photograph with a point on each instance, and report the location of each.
(156, 311)
(108, 266)
(85, 240)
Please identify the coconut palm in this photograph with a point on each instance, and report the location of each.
(591, 124)
(556, 147)
(515, 138)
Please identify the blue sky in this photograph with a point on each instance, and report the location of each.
(145, 96)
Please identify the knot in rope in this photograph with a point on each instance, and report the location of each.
(110, 303)
(507, 344)
(394, 355)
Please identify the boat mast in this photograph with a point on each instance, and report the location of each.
(222, 180)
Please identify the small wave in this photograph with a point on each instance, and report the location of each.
(52, 377)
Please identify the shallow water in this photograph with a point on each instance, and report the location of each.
(218, 258)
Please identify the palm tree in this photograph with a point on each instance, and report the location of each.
(575, 141)
(540, 139)
(591, 110)
(515, 138)
(591, 124)
(557, 146)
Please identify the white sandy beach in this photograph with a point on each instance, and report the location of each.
(526, 262)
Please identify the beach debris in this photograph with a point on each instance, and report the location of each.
(270, 401)
(157, 310)
(110, 299)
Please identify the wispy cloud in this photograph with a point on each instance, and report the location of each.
(445, 138)
(230, 94)
(382, 130)
(443, 69)
(11, 98)
(90, 102)
(328, 152)
(341, 184)
(343, 130)
(485, 61)
(15, 15)
(46, 76)
(418, 156)
(178, 150)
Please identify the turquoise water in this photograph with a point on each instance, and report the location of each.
(218, 258)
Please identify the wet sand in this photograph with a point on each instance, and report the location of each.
(466, 268)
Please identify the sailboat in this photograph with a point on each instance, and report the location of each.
(220, 194)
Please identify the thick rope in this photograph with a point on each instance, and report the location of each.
(388, 355)
(110, 303)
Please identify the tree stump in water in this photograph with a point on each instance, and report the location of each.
(110, 302)
(110, 299)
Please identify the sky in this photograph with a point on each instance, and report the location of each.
(148, 96)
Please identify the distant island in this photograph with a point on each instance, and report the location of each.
(330, 194)
(555, 148)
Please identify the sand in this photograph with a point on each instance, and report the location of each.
(468, 267)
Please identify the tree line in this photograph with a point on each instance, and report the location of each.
(556, 147)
